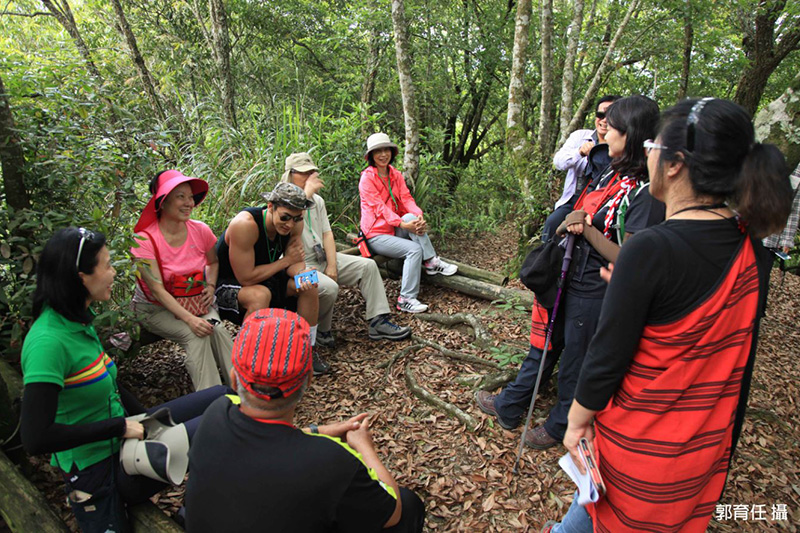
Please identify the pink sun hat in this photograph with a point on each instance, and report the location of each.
(167, 181)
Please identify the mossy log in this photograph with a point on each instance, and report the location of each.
(468, 271)
(22, 506)
(148, 518)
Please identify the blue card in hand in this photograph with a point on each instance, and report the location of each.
(310, 276)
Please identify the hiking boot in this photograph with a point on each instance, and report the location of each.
(411, 305)
(319, 365)
(485, 402)
(381, 327)
(325, 339)
(539, 439)
(435, 265)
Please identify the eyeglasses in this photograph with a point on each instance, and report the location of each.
(649, 145)
(85, 235)
(600, 115)
(287, 217)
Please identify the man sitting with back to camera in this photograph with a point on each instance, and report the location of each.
(253, 470)
(259, 254)
(337, 269)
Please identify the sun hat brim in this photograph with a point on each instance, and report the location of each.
(167, 183)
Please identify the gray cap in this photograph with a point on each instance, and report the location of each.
(289, 195)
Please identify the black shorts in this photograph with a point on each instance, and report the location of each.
(227, 294)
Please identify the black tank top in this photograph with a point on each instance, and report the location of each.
(262, 247)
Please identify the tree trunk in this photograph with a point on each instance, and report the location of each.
(546, 106)
(516, 139)
(568, 79)
(222, 56)
(688, 40)
(370, 77)
(775, 35)
(147, 80)
(580, 113)
(12, 157)
(779, 123)
(403, 51)
(151, 85)
(63, 13)
(583, 53)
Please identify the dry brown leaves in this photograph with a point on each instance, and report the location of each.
(465, 478)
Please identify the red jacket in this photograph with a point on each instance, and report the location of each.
(383, 204)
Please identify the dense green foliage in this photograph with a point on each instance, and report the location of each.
(301, 73)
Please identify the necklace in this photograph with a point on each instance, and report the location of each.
(271, 252)
(701, 207)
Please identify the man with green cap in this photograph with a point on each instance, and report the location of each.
(337, 269)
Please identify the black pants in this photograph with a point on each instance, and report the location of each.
(413, 515)
(99, 493)
(554, 221)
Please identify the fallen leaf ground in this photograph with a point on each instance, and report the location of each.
(465, 477)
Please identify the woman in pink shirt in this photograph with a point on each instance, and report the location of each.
(393, 223)
(177, 270)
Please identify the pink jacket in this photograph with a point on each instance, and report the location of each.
(380, 214)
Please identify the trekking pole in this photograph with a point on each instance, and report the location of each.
(550, 323)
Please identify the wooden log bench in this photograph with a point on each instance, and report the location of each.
(471, 280)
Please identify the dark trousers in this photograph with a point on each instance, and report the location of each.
(111, 488)
(554, 221)
(513, 402)
(580, 322)
(413, 514)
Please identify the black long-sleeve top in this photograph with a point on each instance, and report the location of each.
(663, 273)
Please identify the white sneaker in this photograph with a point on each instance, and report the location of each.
(411, 305)
(435, 265)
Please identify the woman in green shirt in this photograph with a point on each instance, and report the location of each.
(72, 405)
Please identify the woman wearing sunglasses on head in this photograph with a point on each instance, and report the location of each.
(72, 405)
(178, 267)
(664, 386)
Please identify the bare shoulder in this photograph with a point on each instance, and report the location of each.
(242, 228)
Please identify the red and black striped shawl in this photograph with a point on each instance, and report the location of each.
(664, 440)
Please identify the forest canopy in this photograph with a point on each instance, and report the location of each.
(98, 96)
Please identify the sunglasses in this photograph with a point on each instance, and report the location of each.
(600, 115)
(649, 145)
(85, 235)
(287, 217)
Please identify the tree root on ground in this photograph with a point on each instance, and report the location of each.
(474, 359)
(492, 381)
(387, 364)
(482, 340)
(482, 337)
(437, 402)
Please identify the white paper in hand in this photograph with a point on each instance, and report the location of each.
(587, 492)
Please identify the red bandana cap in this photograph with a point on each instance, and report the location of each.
(167, 181)
(273, 349)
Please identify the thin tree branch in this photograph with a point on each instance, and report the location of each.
(34, 14)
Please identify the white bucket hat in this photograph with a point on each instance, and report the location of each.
(163, 455)
(379, 140)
